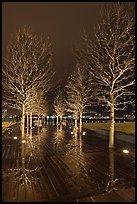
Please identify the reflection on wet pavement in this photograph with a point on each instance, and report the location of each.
(56, 163)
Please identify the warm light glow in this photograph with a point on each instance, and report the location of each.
(15, 138)
(71, 133)
(84, 133)
(23, 141)
(125, 151)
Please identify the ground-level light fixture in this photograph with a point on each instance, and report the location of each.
(15, 138)
(126, 151)
(23, 141)
(71, 133)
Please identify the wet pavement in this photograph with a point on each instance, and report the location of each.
(57, 164)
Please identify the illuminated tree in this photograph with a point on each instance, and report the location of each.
(78, 90)
(111, 59)
(36, 104)
(27, 67)
(58, 105)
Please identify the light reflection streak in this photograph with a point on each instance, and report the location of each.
(112, 180)
(59, 137)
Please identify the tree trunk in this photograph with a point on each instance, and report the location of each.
(38, 121)
(30, 120)
(44, 120)
(23, 121)
(57, 119)
(23, 157)
(61, 119)
(80, 123)
(27, 123)
(75, 127)
(39, 135)
(111, 134)
(60, 128)
(30, 134)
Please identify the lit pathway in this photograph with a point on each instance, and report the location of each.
(60, 166)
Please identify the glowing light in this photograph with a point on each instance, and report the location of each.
(71, 133)
(126, 151)
(84, 133)
(15, 138)
(23, 141)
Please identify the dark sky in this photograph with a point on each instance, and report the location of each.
(63, 22)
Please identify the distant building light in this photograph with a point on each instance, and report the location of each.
(125, 151)
(15, 138)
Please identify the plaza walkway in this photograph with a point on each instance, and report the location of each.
(59, 165)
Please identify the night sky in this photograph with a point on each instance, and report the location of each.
(63, 22)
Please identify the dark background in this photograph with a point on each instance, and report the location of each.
(63, 22)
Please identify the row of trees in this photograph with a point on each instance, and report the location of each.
(27, 74)
(105, 68)
(103, 74)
